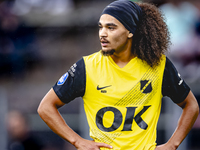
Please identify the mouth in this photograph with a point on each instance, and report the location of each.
(104, 42)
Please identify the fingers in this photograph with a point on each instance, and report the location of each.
(104, 145)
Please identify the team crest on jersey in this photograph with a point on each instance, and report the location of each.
(62, 80)
(145, 86)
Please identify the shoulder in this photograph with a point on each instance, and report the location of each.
(95, 57)
(173, 84)
(72, 83)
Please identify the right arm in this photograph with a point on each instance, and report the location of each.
(48, 111)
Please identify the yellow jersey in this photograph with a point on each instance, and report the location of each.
(122, 105)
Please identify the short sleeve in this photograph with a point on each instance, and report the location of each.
(173, 85)
(72, 83)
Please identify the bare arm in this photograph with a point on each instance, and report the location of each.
(48, 111)
(188, 117)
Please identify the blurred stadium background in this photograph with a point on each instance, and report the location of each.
(41, 39)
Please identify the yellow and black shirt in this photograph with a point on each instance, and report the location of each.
(122, 105)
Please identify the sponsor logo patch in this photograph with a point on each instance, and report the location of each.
(72, 69)
(62, 80)
(181, 80)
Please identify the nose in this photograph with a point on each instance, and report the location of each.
(102, 32)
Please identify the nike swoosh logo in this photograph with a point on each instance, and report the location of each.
(100, 88)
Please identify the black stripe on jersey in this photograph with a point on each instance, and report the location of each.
(75, 84)
(173, 86)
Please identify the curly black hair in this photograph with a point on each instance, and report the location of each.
(151, 39)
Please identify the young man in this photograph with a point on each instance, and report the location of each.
(123, 84)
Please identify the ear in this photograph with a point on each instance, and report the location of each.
(130, 35)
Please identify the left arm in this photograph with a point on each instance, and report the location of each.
(188, 117)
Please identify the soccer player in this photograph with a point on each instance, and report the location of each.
(122, 85)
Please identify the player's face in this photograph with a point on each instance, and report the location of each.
(113, 35)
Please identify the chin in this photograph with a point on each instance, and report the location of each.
(107, 52)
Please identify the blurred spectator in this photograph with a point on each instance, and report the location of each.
(24, 7)
(182, 19)
(20, 137)
(156, 2)
(18, 50)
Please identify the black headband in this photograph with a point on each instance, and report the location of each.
(127, 12)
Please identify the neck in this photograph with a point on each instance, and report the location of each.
(121, 58)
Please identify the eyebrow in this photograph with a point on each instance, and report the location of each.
(108, 24)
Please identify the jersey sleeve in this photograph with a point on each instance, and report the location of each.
(72, 83)
(173, 85)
